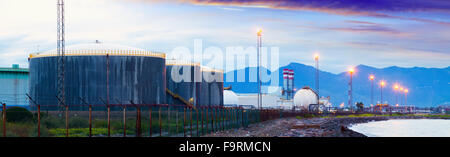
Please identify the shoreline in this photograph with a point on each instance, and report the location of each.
(309, 127)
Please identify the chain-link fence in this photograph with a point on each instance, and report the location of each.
(137, 120)
(126, 120)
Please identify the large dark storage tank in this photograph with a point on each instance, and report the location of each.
(96, 72)
(181, 81)
(211, 87)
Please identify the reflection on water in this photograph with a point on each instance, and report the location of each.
(405, 128)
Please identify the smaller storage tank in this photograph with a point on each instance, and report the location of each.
(305, 97)
(181, 76)
(211, 90)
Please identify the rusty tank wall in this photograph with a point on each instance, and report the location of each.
(114, 79)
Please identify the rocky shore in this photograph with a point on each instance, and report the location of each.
(313, 127)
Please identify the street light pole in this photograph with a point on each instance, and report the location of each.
(396, 94)
(371, 77)
(350, 92)
(406, 95)
(259, 34)
(401, 90)
(316, 58)
(382, 84)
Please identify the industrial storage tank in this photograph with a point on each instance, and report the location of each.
(211, 90)
(182, 87)
(99, 73)
(305, 97)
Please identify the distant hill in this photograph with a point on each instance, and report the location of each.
(427, 86)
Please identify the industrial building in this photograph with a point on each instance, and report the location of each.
(14, 85)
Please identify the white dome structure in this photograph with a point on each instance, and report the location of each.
(230, 98)
(304, 97)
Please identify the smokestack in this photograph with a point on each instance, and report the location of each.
(292, 84)
(291, 81)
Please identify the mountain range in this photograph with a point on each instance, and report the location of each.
(427, 86)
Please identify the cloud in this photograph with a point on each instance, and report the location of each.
(371, 8)
(339, 5)
(356, 27)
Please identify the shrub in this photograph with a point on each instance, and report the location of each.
(18, 114)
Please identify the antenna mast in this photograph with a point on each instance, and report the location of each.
(61, 52)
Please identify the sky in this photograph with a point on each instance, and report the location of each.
(379, 33)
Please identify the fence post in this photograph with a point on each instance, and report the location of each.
(39, 120)
(242, 118)
(196, 113)
(213, 119)
(184, 122)
(217, 122)
(190, 114)
(168, 120)
(90, 120)
(160, 129)
(4, 119)
(124, 121)
(150, 118)
(236, 114)
(67, 121)
(220, 118)
(177, 119)
(207, 118)
(223, 118)
(226, 118)
(201, 115)
(109, 121)
(138, 121)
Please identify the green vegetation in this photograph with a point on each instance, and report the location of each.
(23, 123)
(438, 116)
(53, 125)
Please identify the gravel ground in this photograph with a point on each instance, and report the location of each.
(293, 127)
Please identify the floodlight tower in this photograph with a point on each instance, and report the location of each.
(371, 77)
(60, 51)
(396, 88)
(259, 42)
(406, 95)
(382, 84)
(316, 58)
(350, 91)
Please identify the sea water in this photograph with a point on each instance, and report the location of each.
(405, 128)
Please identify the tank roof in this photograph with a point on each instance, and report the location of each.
(15, 68)
(208, 69)
(100, 49)
(181, 63)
